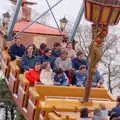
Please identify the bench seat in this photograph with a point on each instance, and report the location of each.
(64, 99)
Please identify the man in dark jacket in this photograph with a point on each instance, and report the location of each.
(17, 49)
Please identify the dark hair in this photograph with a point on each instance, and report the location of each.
(43, 46)
(17, 37)
(118, 99)
(82, 67)
(59, 71)
(31, 45)
(45, 64)
(69, 43)
(84, 113)
(79, 53)
(56, 44)
(64, 40)
(47, 50)
(28, 47)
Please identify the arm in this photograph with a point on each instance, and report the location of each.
(69, 64)
(77, 79)
(56, 63)
(56, 82)
(24, 64)
(66, 80)
(12, 52)
(73, 63)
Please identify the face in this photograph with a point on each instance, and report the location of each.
(63, 56)
(48, 66)
(69, 46)
(49, 53)
(18, 42)
(81, 57)
(30, 50)
(59, 75)
(58, 47)
(83, 70)
(37, 67)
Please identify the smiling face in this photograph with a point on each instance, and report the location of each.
(30, 50)
(81, 57)
(83, 70)
(63, 55)
(69, 45)
(49, 53)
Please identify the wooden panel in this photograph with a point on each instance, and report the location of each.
(114, 15)
(3, 66)
(65, 105)
(88, 10)
(14, 71)
(71, 91)
(21, 97)
(23, 81)
(96, 13)
(23, 91)
(12, 80)
(53, 116)
(105, 15)
(6, 58)
(31, 110)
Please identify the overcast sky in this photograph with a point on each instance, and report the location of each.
(67, 8)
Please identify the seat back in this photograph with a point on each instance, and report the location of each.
(71, 91)
(48, 98)
(14, 76)
(22, 91)
(5, 59)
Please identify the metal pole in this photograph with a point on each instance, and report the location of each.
(13, 20)
(77, 22)
(53, 15)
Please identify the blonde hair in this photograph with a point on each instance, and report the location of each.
(45, 64)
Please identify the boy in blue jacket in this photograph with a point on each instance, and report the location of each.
(61, 78)
(81, 76)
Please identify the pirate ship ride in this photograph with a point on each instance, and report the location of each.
(57, 102)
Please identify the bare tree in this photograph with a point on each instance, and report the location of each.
(110, 56)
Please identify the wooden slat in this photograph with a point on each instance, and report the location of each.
(72, 105)
(71, 91)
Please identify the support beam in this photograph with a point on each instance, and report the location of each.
(13, 20)
(77, 22)
(99, 32)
